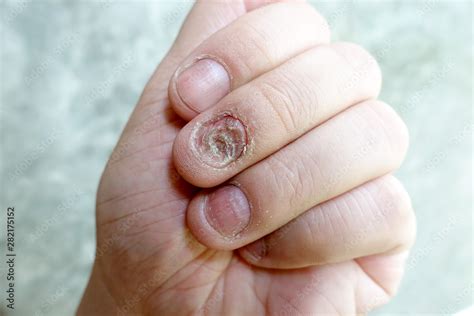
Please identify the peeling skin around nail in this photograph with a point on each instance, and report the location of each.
(220, 141)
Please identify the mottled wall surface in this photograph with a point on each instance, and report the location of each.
(71, 72)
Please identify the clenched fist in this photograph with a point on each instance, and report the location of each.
(253, 177)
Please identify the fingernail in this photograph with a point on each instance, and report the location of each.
(203, 84)
(227, 210)
(256, 250)
(220, 141)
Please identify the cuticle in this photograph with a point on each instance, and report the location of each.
(181, 69)
(242, 189)
(204, 210)
(178, 72)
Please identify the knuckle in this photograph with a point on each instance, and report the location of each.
(299, 10)
(320, 23)
(364, 67)
(396, 209)
(395, 129)
(354, 53)
(256, 35)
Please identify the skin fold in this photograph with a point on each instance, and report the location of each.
(268, 193)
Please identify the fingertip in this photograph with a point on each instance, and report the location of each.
(364, 65)
(203, 226)
(188, 165)
(184, 163)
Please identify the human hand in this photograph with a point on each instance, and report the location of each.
(305, 218)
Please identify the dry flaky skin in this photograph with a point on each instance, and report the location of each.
(220, 141)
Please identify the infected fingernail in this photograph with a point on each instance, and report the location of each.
(227, 210)
(203, 84)
(220, 141)
(256, 251)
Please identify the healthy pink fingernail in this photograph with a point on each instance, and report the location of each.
(203, 84)
(227, 210)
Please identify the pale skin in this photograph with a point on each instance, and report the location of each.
(254, 176)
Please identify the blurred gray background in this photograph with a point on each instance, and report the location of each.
(71, 72)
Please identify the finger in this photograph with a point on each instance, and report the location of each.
(373, 218)
(208, 17)
(153, 126)
(364, 142)
(253, 44)
(205, 18)
(266, 114)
